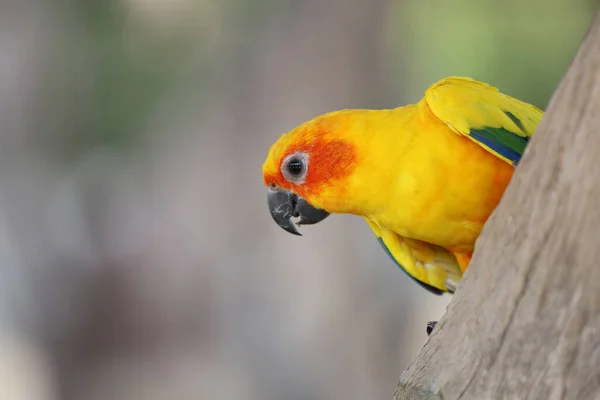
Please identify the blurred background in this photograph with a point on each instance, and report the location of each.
(137, 256)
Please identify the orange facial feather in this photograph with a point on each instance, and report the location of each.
(329, 161)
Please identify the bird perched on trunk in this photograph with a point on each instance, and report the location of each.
(425, 176)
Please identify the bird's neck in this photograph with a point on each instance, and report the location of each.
(380, 137)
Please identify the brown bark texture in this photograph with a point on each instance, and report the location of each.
(525, 323)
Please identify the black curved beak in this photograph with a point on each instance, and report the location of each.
(284, 205)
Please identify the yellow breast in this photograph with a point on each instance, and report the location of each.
(433, 185)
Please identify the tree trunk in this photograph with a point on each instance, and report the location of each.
(525, 323)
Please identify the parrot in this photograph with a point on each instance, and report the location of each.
(425, 176)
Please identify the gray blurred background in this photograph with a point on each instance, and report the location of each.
(137, 256)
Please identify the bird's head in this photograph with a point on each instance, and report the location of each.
(307, 171)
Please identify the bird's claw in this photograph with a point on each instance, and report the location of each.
(430, 326)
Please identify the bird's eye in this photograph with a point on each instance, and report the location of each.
(294, 167)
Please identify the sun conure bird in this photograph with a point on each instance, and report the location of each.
(425, 176)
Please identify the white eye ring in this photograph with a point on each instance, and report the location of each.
(295, 167)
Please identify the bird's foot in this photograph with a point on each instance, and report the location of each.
(430, 326)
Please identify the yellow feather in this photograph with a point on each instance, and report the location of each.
(464, 104)
(426, 177)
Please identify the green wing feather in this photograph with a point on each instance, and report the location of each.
(499, 123)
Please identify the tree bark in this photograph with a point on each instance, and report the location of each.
(525, 323)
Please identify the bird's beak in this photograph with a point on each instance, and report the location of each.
(284, 205)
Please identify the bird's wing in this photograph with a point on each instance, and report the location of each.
(499, 123)
(431, 266)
